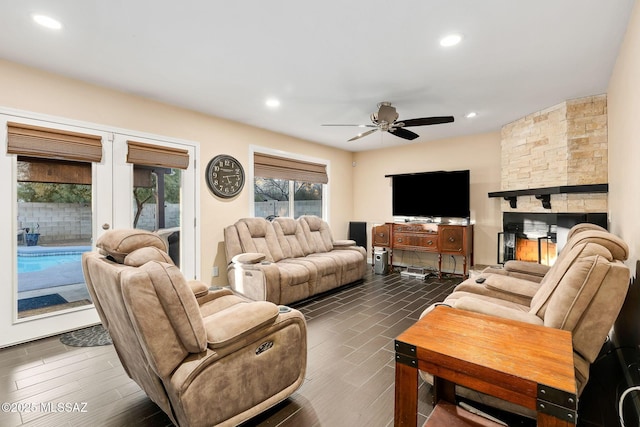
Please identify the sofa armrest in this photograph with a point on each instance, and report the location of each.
(343, 243)
(237, 321)
(491, 309)
(259, 281)
(198, 288)
(248, 258)
(512, 285)
(213, 294)
(524, 267)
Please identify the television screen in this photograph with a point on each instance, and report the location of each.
(431, 194)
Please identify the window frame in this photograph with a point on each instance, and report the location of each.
(253, 149)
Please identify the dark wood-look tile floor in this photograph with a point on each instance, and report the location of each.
(349, 381)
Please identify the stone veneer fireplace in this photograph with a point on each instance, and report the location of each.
(554, 175)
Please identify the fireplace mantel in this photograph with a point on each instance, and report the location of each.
(544, 194)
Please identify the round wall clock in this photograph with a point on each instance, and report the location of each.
(225, 176)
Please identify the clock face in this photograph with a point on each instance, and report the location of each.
(225, 176)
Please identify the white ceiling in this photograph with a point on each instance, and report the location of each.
(330, 61)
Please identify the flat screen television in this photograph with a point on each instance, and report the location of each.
(431, 194)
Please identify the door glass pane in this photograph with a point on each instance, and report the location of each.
(156, 204)
(271, 197)
(54, 229)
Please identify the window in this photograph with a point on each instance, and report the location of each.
(288, 187)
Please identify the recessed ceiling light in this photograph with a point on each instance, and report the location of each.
(450, 40)
(471, 115)
(272, 103)
(47, 21)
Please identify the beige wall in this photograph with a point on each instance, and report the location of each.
(478, 153)
(35, 91)
(624, 140)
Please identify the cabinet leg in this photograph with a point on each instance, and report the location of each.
(465, 272)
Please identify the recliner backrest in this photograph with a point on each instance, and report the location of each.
(165, 314)
(317, 233)
(291, 237)
(257, 235)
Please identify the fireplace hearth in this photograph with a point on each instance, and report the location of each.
(539, 237)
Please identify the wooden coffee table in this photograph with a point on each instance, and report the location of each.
(525, 364)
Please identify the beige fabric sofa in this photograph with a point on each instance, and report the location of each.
(582, 292)
(205, 357)
(289, 260)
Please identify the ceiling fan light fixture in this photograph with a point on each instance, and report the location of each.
(450, 40)
(47, 21)
(471, 114)
(272, 103)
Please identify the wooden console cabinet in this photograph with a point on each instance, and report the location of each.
(441, 239)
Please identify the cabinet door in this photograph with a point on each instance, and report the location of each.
(451, 239)
(380, 235)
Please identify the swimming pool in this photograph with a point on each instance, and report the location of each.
(39, 258)
(30, 264)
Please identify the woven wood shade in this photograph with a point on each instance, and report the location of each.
(155, 155)
(268, 166)
(33, 169)
(35, 141)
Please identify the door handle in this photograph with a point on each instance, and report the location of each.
(106, 226)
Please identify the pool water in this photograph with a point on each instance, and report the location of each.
(30, 264)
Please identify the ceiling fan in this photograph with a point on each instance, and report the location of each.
(385, 119)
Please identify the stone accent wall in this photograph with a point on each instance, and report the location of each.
(562, 145)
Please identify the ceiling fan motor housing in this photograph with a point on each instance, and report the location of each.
(387, 114)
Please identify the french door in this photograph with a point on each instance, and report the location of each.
(50, 219)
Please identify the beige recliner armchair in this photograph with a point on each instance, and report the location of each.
(582, 293)
(205, 357)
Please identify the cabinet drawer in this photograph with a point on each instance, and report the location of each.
(380, 235)
(415, 228)
(451, 239)
(416, 242)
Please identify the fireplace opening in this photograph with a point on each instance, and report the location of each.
(539, 237)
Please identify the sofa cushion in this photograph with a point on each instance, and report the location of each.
(291, 237)
(258, 235)
(117, 244)
(317, 233)
(179, 304)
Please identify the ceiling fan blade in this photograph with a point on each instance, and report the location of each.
(425, 121)
(403, 133)
(360, 126)
(363, 134)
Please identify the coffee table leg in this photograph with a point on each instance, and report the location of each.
(443, 390)
(406, 399)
